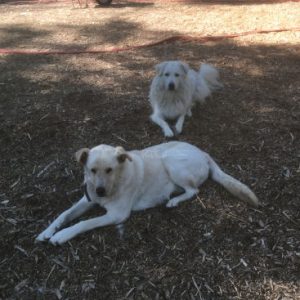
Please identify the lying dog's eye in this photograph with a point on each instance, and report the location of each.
(176, 75)
(167, 74)
(94, 170)
(108, 170)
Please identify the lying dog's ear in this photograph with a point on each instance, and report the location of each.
(82, 155)
(160, 68)
(185, 67)
(122, 155)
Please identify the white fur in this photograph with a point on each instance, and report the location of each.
(189, 87)
(144, 179)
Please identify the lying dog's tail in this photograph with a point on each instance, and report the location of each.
(231, 184)
(211, 76)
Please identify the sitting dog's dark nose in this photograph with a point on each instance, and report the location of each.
(100, 191)
(171, 86)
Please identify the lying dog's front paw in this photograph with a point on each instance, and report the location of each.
(45, 235)
(172, 203)
(60, 238)
(64, 235)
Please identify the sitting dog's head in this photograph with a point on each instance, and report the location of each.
(172, 74)
(103, 167)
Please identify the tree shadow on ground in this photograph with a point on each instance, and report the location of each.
(81, 3)
(111, 32)
(140, 3)
(16, 35)
(123, 4)
(53, 105)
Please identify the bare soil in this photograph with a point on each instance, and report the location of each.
(212, 247)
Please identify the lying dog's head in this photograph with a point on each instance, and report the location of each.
(172, 74)
(103, 167)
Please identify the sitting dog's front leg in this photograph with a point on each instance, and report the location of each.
(112, 217)
(75, 211)
(179, 124)
(157, 118)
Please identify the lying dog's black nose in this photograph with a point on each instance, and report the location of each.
(171, 86)
(100, 191)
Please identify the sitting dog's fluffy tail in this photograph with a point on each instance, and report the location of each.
(232, 185)
(211, 76)
(208, 81)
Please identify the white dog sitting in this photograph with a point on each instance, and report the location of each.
(174, 90)
(122, 182)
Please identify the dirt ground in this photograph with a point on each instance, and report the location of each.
(213, 247)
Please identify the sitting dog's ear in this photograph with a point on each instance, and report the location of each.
(82, 155)
(122, 155)
(185, 67)
(160, 68)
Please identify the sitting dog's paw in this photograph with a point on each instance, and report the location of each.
(168, 132)
(178, 128)
(45, 235)
(172, 203)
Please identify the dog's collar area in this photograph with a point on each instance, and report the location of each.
(86, 193)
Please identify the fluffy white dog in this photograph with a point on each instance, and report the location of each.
(174, 90)
(122, 182)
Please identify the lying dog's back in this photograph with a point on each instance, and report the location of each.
(174, 166)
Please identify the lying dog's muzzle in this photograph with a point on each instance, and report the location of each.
(100, 191)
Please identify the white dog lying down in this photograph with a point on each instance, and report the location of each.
(174, 90)
(122, 182)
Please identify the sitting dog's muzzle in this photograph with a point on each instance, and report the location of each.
(171, 86)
